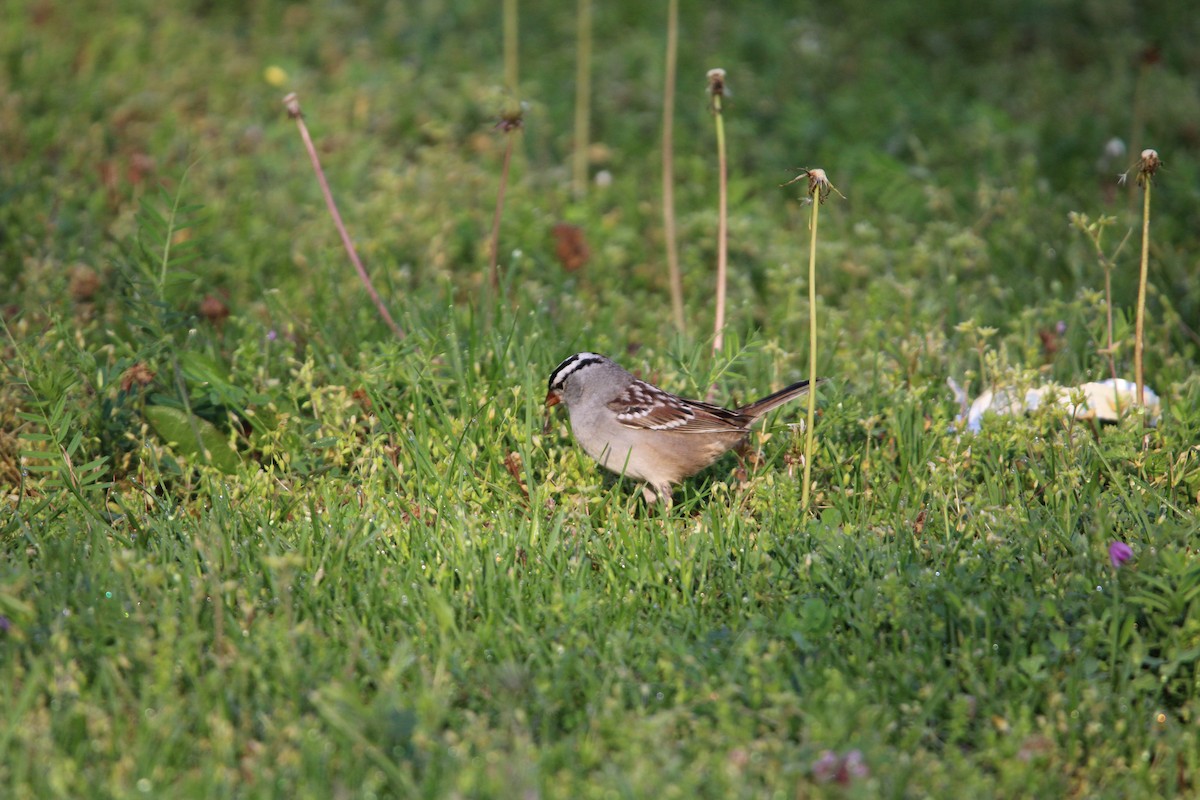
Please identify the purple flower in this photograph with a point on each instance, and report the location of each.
(829, 766)
(825, 768)
(855, 766)
(5, 624)
(1119, 553)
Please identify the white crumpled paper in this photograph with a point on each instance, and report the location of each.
(1104, 400)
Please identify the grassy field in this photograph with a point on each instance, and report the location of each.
(256, 545)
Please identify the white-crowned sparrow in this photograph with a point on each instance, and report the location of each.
(639, 430)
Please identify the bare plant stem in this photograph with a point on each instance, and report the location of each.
(1140, 324)
(819, 189)
(811, 420)
(722, 228)
(1108, 305)
(1094, 231)
(495, 240)
(511, 45)
(292, 102)
(1109, 264)
(668, 162)
(583, 98)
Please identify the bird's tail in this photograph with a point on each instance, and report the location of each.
(776, 399)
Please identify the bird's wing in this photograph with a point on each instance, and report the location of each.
(644, 406)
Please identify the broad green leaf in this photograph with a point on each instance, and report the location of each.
(203, 368)
(193, 437)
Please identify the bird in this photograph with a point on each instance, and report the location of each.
(634, 428)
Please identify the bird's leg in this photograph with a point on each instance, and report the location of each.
(654, 494)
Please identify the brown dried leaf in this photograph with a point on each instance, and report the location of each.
(512, 463)
(139, 373)
(83, 283)
(570, 246)
(213, 309)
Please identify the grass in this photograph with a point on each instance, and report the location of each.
(403, 586)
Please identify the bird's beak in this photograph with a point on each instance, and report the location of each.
(553, 398)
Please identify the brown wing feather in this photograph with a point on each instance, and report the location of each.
(645, 406)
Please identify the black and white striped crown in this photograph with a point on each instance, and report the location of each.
(571, 365)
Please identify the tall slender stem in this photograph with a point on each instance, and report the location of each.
(495, 241)
(812, 350)
(511, 44)
(1108, 303)
(292, 102)
(668, 163)
(722, 227)
(583, 98)
(1140, 324)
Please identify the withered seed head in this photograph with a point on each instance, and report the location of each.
(292, 103)
(511, 120)
(716, 82)
(818, 184)
(1148, 164)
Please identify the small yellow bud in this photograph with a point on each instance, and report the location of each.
(275, 76)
